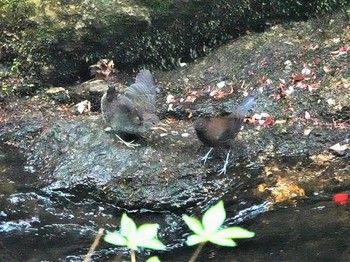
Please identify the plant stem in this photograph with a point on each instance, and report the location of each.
(133, 257)
(196, 253)
(94, 245)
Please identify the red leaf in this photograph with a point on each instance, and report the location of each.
(269, 121)
(341, 198)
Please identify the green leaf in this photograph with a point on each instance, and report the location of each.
(214, 217)
(153, 259)
(195, 239)
(146, 232)
(128, 227)
(116, 239)
(234, 232)
(194, 224)
(223, 241)
(129, 230)
(147, 237)
(153, 243)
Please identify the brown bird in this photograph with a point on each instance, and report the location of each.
(132, 112)
(221, 131)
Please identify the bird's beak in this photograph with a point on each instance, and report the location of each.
(160, 126)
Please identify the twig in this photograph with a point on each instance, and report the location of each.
(94, 245)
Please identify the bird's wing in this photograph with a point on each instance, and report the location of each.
(234, 126)
(143, 92)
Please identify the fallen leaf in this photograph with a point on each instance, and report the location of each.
(182, 64)
(315, 47)
(220, 94)
(84, 106)
(171, 107)
(185, 135)
(327, 69)
(190, 99)
(170, 121)
(298, 77)
(262, 188)
(307, 131)
(330, 101)
(285, 190)
(269, 121)
(316, 61)
(340, 84)
(280, 121)
(321, 158)
(306, 71)
(338, 147)
(307, 115)
(343, 50)
(221, 84)
(170, 99)
(341, 198)
(290, 90)
(336, 40)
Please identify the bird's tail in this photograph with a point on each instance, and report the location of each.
(246, 105)
(145, 77)
(143, 91)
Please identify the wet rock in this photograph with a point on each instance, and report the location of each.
(91, 91)
(79, 156)
(58, 94)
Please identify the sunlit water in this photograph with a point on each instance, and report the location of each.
(37, 225)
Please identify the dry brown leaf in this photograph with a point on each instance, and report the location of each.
(285, 190)
(321, 158)
(280, 121)
(262, 188)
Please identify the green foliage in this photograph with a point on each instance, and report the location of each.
(58, 40)
(14, 15)
(209, 230)
(133, 237)
(153, 259)
(157, 6)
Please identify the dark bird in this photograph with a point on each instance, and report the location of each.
(132, 112)
(221, 131)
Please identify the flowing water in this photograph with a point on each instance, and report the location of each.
(39, 225)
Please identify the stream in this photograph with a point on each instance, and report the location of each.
(57, 226)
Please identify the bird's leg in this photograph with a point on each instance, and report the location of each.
(128, 144)
(223, 169)
(206, 157)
